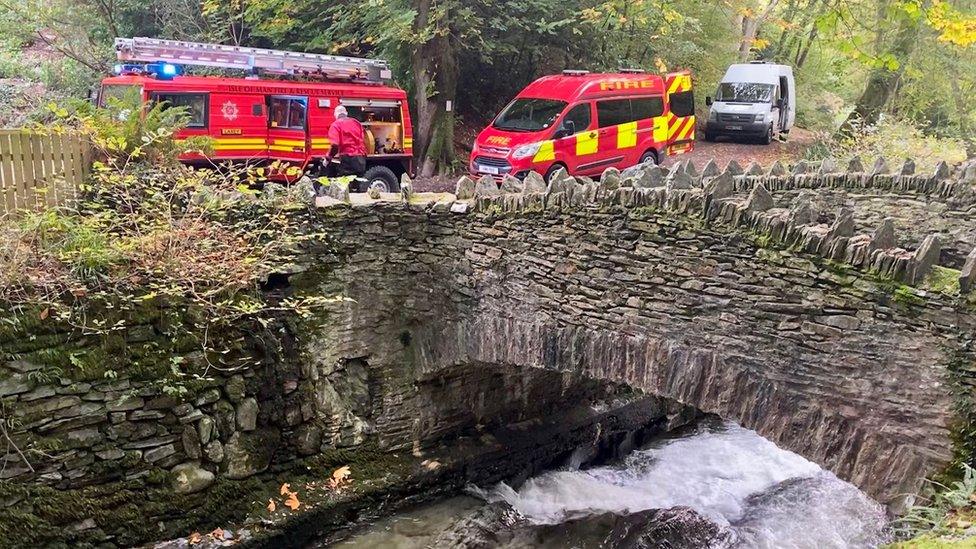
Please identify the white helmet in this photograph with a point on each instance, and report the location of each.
(341, 111)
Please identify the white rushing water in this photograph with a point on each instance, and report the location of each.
(771, 498)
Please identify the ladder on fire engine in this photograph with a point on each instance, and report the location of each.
(278, 62)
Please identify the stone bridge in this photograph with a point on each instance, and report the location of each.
(830, 310)
(827, 310)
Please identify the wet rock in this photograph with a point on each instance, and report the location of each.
(486, 527)
(308, 439)
(247, 454)
(675, 528)
(190, 477)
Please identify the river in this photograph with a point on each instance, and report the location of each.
(758, 494)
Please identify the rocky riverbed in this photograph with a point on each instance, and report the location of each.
(713, 486)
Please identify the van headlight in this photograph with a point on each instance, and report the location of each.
(713, 115)
(525, 151)
(760, 118)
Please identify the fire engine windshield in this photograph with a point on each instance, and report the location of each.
(529, 115)
(743, 92)
(122, 92)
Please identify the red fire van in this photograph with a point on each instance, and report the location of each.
(587, 123)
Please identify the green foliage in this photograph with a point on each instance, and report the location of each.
(949, 512)
(895, 140)
(152, 242)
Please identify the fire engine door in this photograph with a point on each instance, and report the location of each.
(288, 129)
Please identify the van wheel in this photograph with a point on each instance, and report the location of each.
(553, 169)
(709, 136)
(649, 157)
(382, 179)
(768, 138)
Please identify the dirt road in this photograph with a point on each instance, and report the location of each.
(746, 153)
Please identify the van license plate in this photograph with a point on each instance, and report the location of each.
(488, 169)
(739, 128)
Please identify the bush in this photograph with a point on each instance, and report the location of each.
(893, 139)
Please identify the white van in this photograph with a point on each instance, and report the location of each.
(754, 100)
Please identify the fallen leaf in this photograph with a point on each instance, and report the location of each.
(45, 313)
(285, 489)
(271, 505)
(292, 501)
(341, 474)
(195, 538)
(218, 533)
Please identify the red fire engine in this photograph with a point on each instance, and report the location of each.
(285, 118)
(586, 123)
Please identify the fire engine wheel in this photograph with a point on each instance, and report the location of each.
(649, 157)
(382, 179)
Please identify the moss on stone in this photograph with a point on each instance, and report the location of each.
(928, 542)
(943, 280)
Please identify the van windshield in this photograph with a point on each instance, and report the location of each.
(743, 92)
(529, 115)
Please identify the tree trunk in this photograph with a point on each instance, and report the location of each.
(435, 73)
(750, 30)
(882, 82)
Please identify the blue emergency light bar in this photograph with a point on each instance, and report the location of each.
(162, 71)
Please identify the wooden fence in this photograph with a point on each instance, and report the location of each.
(39, 170)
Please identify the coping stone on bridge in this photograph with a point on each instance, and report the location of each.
(880, 167)
(754, 169)
(734, 167)
(828, 166)
(966, 276)
(855, 165)
(884, 236)
(534, 183)
(801, 211)
(759, 199)
(942, 171)
(908, 167)
(800, 168)
(464, 190)
(486, 186)
(512, 185)
(711, 169)
(777, 169)
(926, 257)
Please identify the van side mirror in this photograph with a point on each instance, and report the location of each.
(708, 100)
(568, 128)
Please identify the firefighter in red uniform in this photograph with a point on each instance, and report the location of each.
(348, 145)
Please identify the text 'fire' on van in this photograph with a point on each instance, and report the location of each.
(587, 123)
